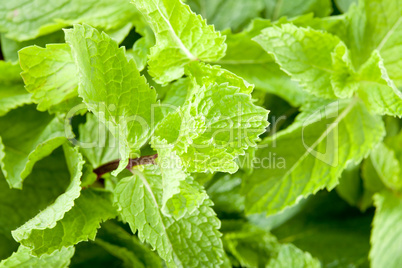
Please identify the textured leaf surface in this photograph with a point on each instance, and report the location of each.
(377, 90)
(377, 25)
(386, 237)
(290, 256)
(217, 123)
(311, 155)
(96, 142)
(179, 196)
(306, 55)
(227, 14)
(48, 180)
(386, 167)
(112, 88)
(249, 60)
(193, 240)
(25, 19)
(26, 137)
(23, 259)
(181, 37)
(12, 92)
(78, 224)
(48, 218)
(49, 74)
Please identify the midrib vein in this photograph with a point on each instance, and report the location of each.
(322, 137)
(148, 187)
(175, 37)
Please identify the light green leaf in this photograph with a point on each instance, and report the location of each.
(386, 167)
(350, 186)
(223, 14)
(377, 25)
(192, 241)
(247, 245)
(118, 242)
(96, 142)
(79, 224)
(310, 155)
(291, 256)
(217, 123)
(386, 236)
(23, 259)
(26, 137)
(315, 59)
(176, 95)
(48, 180)
(291, 8)
(181, 37)
(113, 89)
(49, 74)
(12, 92)
(25, 19)
(343, 5)
(377, 90)
(48, 218)
(246, 58)
(179, 197)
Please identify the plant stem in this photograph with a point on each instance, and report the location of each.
(109, 167)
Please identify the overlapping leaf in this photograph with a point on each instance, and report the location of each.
(193, 240)
(25, 20)
(181, 37)
(49, 217)
(26, 137)
(216, 124)
(80, 223)
(12, 92)
(23, 259)
(310, 155)
(386, 236)
(50, 75)
(113, 89)
(318, 60)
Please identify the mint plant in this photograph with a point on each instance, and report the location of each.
(200, 133)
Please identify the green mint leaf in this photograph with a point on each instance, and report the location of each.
(49, 179)
(49, 74)
(291, 8)
(96, 142)
(193, 240)
(179, 196)
(24, 20)
(373, 30)
(310, 155)
(48, 218)
(343, 5)
(181, 37)
(23, 259)
(377, 90)
(290, 256)
(12, 92)
(385, 167)
(118, 242)
(386, 233)
(202, 136)
(26, 137)
(80, 223)
(316, 59)
(246, 58)
(227, 14)
(113, 89)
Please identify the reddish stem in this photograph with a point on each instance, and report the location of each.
(109, 167)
